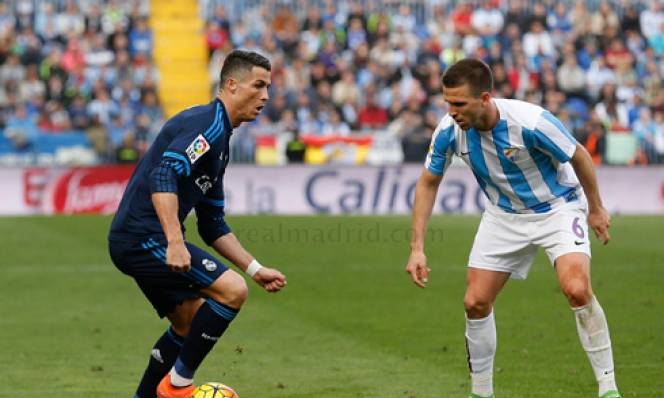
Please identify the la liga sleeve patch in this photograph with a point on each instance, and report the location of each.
(197, 148)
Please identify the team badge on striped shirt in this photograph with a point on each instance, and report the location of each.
(511, 153)
(197, 148)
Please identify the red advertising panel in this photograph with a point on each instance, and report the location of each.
(87, 190)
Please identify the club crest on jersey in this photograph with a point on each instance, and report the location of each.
(197, 148)
(209, 264)
(511, 153)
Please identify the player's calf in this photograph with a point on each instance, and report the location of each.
(594, 335)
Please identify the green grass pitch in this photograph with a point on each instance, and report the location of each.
(349, 324)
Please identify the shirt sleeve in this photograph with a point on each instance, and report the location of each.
(193, 141)
(552, 137)
(210, 214)
(441, 149)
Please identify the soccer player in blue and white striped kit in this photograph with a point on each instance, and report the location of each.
(184, 170)
(542, 192)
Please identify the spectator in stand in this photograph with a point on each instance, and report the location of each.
(54, 118)
(603, 19)
(77, 111)
(21, 128)
(127, 152)
(415, 136)
(630, 20)
(345, 89)
(617, 56)
(538, 41)
(595, 141)
(645, 130)
(571, 77)
(371, 115)
(598, 75)
(356, 35)
(31, 86)
(487, 21)
(7, 20)
(652, 84)
(659, 137)
(70, 21)
(334, 125)
(73, 59)
(461, 18)
(295, 149)
(140, 38)
(651, 19)
(656, 41)
(215, 37)
(517, 14)
(221, 18)
(12, 70)
(558, 19)
(610, 112)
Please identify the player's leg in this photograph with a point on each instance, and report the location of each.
(573, 271)
(142, 261)
(482, 289)
(224, 298)
(167, 348)
(564, 236)
(501, 250)
(225, 292)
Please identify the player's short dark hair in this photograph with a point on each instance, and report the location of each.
(472, 71)
(239, 62)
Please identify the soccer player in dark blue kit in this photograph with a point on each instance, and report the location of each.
(184, 170)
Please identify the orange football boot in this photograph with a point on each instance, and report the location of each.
(166, 390)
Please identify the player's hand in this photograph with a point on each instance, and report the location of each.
(178, 258)
(599, 221)
(417, 268)
(270, 279)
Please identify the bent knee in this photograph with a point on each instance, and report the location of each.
(477, 306)
(230, 288)
(578, 292)
(181, 329)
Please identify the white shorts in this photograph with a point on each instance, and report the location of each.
(508, 242)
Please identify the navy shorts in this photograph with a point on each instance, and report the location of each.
(145, 261)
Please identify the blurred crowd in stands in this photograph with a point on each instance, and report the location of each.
(82, 67)
(347, 68)
(342, 68)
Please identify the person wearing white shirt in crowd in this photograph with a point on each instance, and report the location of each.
(538, 41)
(488, 20)
(651, 19)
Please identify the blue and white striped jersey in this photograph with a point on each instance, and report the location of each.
(521, 165)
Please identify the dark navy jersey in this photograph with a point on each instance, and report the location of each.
(189, 158)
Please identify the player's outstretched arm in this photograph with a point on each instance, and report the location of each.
(598, 218)
(230, 247)
(165, 204)
(425, 194)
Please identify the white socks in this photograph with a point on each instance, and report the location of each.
(594, 335)
(481, 347)
(179, 381)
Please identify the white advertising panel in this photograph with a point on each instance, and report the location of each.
(304, 190)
